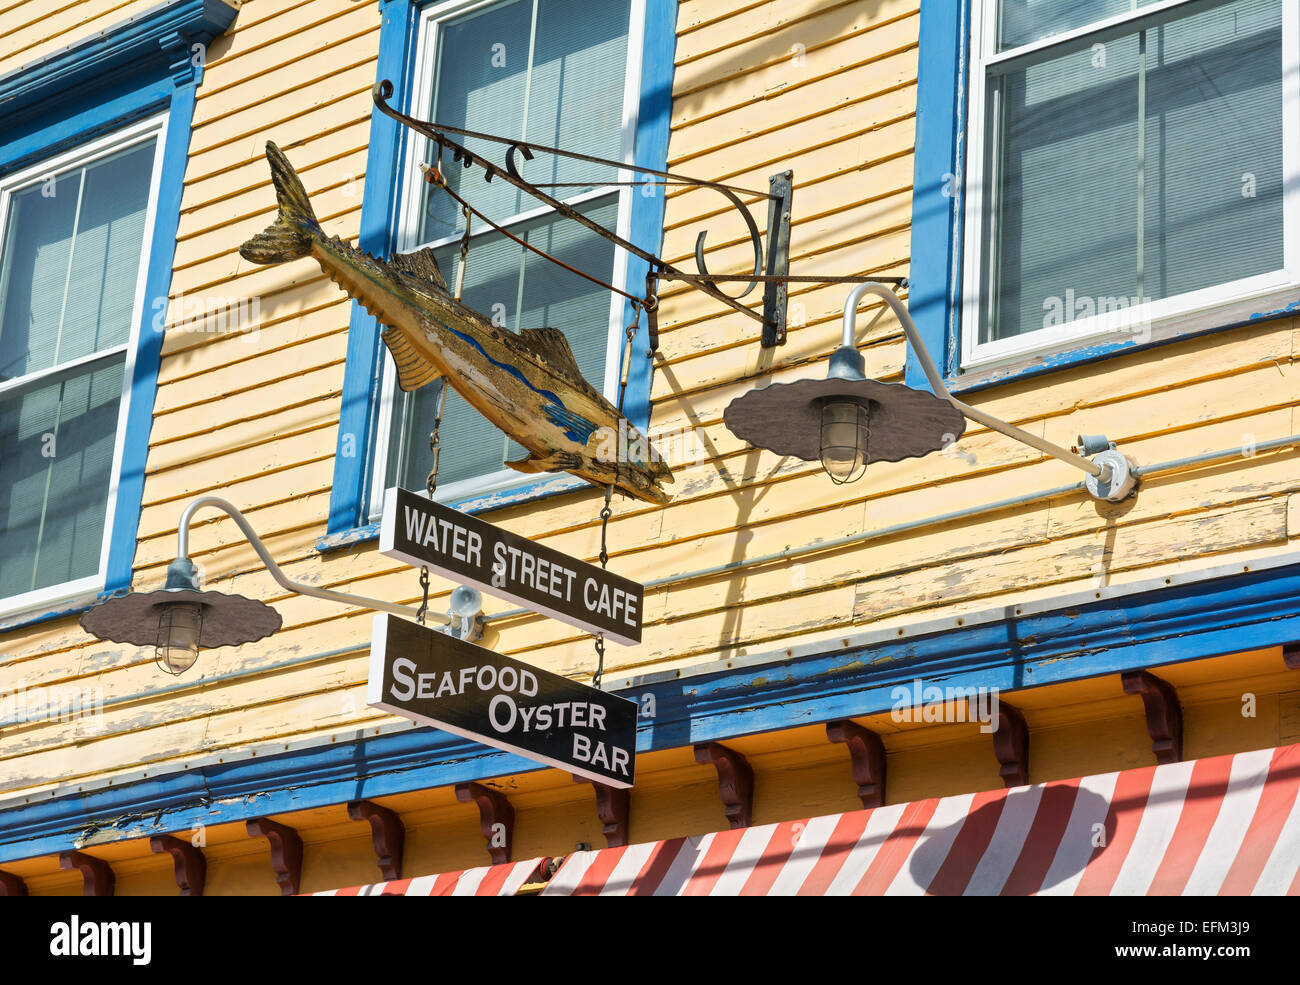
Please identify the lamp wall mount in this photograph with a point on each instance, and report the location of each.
(464, 620)
(1108, 475)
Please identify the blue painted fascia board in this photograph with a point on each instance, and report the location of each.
(145, 38)
(1227, 614)
(355, 454)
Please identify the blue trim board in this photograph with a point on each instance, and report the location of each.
(141, 67)
(647, 225)
(1201, 619)
(937, 183)
(356, 454)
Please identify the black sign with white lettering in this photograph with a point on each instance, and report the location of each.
(495, 561)
(473, 692)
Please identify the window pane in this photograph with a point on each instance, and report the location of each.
(507, 282)
(56, 458)
(1024, 21)
(1149, 171)
(71, 260)
(503, 72)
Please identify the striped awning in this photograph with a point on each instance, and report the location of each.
(1227, 825)
(489, 880)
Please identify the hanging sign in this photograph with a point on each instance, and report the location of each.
(471, 691)
(467, 549)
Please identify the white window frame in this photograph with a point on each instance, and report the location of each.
(1211, 307)
(410, 195)
(87, 588)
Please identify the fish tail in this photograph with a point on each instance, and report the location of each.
(290, 236)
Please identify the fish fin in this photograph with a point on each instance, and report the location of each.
(290, 236)
(421, 265)
(560, 461)
(413, 370)
(551, 345)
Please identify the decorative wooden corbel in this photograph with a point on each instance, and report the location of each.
(1291, 655)
(12, 885)
(496, 817)
(1011, 745)
(286, 852)
(96, 875)
(191, 866)
(735, 781)
(1164, 713)
(867, 754)
(613, 806)
(386, 831)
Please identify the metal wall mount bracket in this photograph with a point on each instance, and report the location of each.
(776, 291)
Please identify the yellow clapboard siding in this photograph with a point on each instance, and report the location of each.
(871, 152)
(349, 35)
(345, 173)
(788, 46)
(30, 32)
(861, 97)
(223, 271)
(339, 198)
(239, 435)
(285, 321)
(682, 399)
(162, 513)
(832, 207)
(321, 133)
(764, 20)
(267, 24)
(251, 375)
(765, 83)
(714, 326)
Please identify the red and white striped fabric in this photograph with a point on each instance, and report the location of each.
(1228, 825)
(490, 880)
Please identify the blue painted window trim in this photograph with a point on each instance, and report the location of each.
(935, 287)
(356, 455)
(1219, 615)
(139, 68)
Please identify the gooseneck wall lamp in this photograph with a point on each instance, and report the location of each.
(848, 421)
(181, 618)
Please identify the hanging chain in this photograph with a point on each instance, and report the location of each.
(464, 255)
(605, 511)
(435, 440)
(423, 612)
(605, 514)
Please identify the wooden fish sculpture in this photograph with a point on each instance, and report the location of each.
(527, 384)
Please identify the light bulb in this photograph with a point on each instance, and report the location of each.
(846, 429)
(180, 625)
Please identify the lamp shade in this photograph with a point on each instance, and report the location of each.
(786, 418)
(227, 620)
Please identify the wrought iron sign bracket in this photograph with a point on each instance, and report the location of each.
(771, 266)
